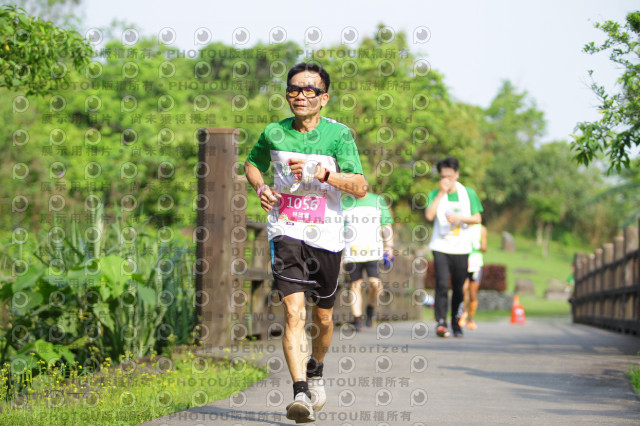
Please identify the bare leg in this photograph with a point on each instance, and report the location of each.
(375, 289)
(323, 320)
(356, 307)
(473, 299)
(465, 291)
(294, 343)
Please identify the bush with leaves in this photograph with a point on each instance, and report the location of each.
(33, 53)
(618, 130)
(85, 295)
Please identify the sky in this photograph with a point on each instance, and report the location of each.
(476, 45)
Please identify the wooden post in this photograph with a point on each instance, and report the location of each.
(217, 218)
(607, 252)
(576, 311)
(261, 318)
(592, 310)
(240, 297)
(579, 272)
(600, 270)
(630, 245)
(618, 256)
(629, 267)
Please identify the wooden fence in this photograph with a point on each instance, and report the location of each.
(607, 285)
(234, 296)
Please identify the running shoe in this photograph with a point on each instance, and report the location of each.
(442, 331)
(429, 301)
(471, 325)
(457, 333)
(300, 409)
(357, 324)
(370, 314)
(463, 319)
(318, 395)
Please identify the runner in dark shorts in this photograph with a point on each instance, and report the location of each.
(314, 160)
(356, 269)
(368, 241)
(298, 267)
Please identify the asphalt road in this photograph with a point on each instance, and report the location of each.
(542, 372)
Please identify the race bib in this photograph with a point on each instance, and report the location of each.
(300, 208)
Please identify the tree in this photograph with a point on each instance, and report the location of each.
(513, 126)
(34, 52)
(618, 130)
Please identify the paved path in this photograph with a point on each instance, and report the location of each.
(544, 372)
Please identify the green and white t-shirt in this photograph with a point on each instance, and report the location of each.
(313, 212)
(363, 222)
(454, 238)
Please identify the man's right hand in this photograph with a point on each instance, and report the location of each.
(445, 185)
(269, 198)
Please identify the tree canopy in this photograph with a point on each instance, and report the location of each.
(33, 53)
(617, 132)
(124, 130)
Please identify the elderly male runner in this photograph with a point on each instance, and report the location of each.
(314, 159)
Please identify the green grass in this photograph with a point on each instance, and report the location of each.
(528, 255)
(123, 395)
(634, 375)
(534, 307)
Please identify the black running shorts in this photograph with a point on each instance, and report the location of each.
(355, 269)
(298, 267)
(475, 276)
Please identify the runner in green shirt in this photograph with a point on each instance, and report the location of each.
(453, 208)
(314, 159)
(368, 239)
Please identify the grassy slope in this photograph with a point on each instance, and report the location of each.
(528, 256)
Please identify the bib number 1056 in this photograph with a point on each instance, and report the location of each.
(298, 208)
(303, 203)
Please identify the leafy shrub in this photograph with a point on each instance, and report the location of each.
(81, 297)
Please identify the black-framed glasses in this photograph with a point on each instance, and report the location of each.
(308, 92)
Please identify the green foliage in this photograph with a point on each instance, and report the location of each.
(33, 53)
(124, 132)
(634, 375)
(513, 125)
(529, 184)
(618, 130)
(85, 295)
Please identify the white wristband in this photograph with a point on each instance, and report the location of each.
(262, 188)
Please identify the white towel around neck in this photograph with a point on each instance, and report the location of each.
(442, 225)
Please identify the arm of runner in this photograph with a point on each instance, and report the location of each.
(483, 239)
(387, 240)
(470, 220)
(432, 209)
(268, 197)
(351, 183)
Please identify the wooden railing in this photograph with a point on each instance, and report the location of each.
(607, 285)
(234, 295)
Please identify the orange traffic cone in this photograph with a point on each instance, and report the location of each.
(517, 312)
